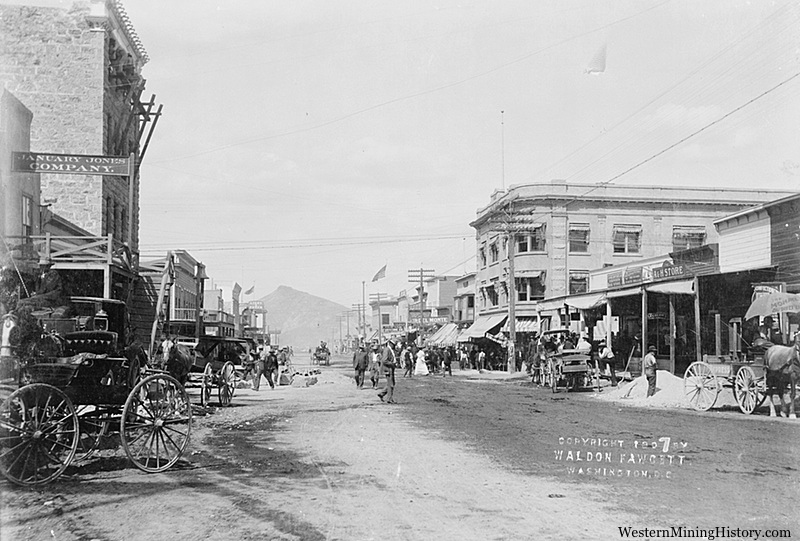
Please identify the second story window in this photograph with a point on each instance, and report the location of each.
(482, 255)
(578, 238)
(493, 253)
(687, 237)
(627, 239)
(578, 282)
(523, 242)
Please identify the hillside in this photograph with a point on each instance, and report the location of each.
(303, 319)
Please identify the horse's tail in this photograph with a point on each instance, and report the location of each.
(179, 362)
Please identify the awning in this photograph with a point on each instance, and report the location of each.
(548, 306)
(585, 302)
(682, 287)
(442, 337)
(483, 325)
(524, 324)
(524, 273)
(627, 292)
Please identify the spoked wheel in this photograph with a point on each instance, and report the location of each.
(156, 423)
(205, 387)
(38, 434)
(749, 391)
(94, 423)
(700, 386)
(226, 384)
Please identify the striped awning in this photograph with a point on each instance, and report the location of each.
(524, 324)
(483, 325)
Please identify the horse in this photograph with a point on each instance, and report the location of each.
(179, 362)
(783, 368)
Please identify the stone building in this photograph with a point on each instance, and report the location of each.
(77, 68)
(19, 191)
(562, 231)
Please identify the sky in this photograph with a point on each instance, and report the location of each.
(310, 143)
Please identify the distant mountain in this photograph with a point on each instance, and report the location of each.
(303, 319)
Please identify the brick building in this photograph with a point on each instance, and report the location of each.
(77, 68)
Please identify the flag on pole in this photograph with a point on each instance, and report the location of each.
(250, 291)
(380, 274)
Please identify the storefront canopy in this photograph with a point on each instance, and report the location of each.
(483, 325)
(682, 287)
(586, 302)
(524, 324)
(444, 336)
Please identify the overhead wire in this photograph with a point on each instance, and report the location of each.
(415, 94)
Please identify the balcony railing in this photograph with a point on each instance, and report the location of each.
(184, 314)
(54, 249)
(214, 316)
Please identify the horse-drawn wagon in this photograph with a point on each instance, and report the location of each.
(321, 355)
(568, 367)
(75, 383)
(764, 369)
(215, 361)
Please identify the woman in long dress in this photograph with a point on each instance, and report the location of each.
(421, 368)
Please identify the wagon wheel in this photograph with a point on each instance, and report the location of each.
(38, 434)
(700, 386)
(94, 424)
(227, 384)
(205, 386)
(749, 391)
(156, 423)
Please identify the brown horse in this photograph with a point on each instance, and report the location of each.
(783, 368)
(179, 362)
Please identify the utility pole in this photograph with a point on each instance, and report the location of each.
(361, 324)
(420, 275)
(378, 297)
(510, 223)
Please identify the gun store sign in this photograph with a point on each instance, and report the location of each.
(74, 164)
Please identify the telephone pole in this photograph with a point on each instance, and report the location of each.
(377, 298)
(362, 326)
(420, 275)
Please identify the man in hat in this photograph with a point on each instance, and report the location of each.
(649, 367)
(360, 363)
(388, 360)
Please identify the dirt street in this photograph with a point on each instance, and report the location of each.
(469, 457)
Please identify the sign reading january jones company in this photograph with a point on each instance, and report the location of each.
(74, 164)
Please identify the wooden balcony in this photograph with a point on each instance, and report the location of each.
(81, 251)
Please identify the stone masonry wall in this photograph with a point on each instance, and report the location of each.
(55, 62)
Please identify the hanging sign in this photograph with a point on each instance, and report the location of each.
(74, 164)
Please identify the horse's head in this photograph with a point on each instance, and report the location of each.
(9, 323)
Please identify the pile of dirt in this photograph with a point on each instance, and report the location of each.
(669, 392)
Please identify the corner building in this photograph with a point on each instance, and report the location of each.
(562, 231)
(77, 68)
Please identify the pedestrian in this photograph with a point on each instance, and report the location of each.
(388, 360)
(608, 361)
(360, 364)
(259, 367)
(481, 360)
(649, 366)
(421, 367)
(447, 359)
(407, 358)
(271, 368)
(374, 366)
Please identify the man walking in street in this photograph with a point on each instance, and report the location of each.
(374, 366)
(447, 359)
(259, 367)
(271, 368)
(388, 363)
(360, 363)
(649, 367)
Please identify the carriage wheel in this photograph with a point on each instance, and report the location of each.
(38, 434)
(700, 386)
(749, 391)
(94, 424)
(156, 423)
(206, 384)
(227, 384)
